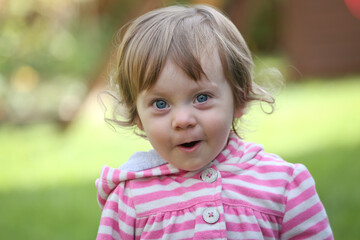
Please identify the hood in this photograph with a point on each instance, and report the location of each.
(139, 165)
(150, 164)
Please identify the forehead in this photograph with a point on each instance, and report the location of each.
(172, 72)
(187, 46)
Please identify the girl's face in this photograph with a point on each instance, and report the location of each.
(188, 123)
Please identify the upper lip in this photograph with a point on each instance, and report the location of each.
(187, 139)
(190, 141)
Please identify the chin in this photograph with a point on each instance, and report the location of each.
(192, 168)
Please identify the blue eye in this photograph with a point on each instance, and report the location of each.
(160, 104)
(202, 98)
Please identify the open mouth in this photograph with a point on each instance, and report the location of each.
(189, 144)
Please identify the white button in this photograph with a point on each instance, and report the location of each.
(209, 175)
(211, 215)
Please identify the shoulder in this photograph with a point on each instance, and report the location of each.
(252, 156)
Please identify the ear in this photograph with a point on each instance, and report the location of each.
(138, 123)
(238, 112)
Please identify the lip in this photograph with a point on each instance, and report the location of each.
(190, 149)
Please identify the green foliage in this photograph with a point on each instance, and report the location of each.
(47, 177)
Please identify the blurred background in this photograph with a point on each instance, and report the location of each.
(56, 56)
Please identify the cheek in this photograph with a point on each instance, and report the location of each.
(219, 123)
(155, 130)
(222, 115)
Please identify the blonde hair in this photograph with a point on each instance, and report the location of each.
(181, 33)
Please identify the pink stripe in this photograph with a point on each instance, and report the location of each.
(331, 237)
(122, 216)
(240, 203)
(313, 230)
(220, 158)
(301, 217)
(164, 216)
(110, 222)
(255, 193)
(266, 168)
(115, 176)
(154, 181)
(102, 236)
(99, 198)
(268, 232)
(111, 205)
(164, 169)
(253, 148)
(301, 177)
(248, 212)
(130, 175)
(177, 192)
(169, 229)
(180, 205)
(101, 201)
(102, 184)
(252, 227)
(242, 227)
(262, 182)
(105, 177)
(148, 172)
(305, 195)
(213, 233)
(234, 149)
(269, 158)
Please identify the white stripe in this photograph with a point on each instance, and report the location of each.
(236, 145)
(109, 213)
(109, 231)
(304, 225)
(248, 156)
(263, 203)
(123, 175)
(257, 187)
(303, 186)
(263, 176)
(109, 177)
(166, 201)
(242, 218)
(244, 235)
(100, 190)
(302, 207)
(274, 156)
(323, 234)
(159, 187)
(179, 235)
(268, 162)
(176, 219)
(121, 205)
(231, 160)
(262, 165)
(156, 171)
(229, 168)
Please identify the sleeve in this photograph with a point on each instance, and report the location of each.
(118, 216)
(305, 216)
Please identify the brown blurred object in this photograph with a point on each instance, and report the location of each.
(321, 38)
(258, 21)
(138, 8)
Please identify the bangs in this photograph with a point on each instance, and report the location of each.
(186, 42)
(192, 40)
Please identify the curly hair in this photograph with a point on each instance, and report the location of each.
(181, 33)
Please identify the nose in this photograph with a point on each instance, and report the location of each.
(183, 118)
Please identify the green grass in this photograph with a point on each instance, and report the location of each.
(47, 177)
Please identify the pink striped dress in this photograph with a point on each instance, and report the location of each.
(244, 193)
